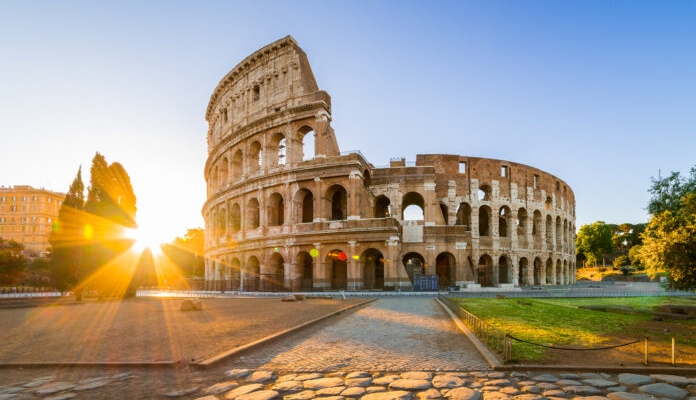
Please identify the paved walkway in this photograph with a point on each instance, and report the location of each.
(391, 334)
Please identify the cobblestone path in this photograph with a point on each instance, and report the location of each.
(390, 334)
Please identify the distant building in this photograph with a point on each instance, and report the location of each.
(27, 215)
(286, 210)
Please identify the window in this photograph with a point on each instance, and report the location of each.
(13, 208)
(462, 167)
(4, 199)
(14, 199)
(257, 93)
(50, 199)
(504, 171)
(536, 181)
(24, 199)
(2, 220)
(36, 198)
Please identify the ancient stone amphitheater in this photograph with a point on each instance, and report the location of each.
(286, 210)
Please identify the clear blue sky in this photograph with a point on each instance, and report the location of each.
(599, 93)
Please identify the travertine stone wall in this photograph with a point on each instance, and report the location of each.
(287, 211)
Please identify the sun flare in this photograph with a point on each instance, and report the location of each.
(145, 238)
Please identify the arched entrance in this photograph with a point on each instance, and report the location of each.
(485, 271)
(372, 262)
(251, 275)
(538, 271)
(274, 276)
(504, 271)
(444, 268)
(305, 264)
(338, 268)
(414, 264)
(523, 272)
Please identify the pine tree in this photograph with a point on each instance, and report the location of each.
(66, 237)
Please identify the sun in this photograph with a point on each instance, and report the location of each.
(145, 237)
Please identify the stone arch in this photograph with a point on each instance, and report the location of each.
(279, 149)
(414, 264)
(485, 271)
(549, 230)
(536, 224)
(485, 193)
(338, 201)
(504, 270)
(305, 264)
(445, 212)
(304, 204)
(559, 231)
(336, 261)
(523, 272)
(308, 140)
(254, 157)
(382, 207)
(252, 275)
(236, 165)
(504, 216)
(274, 274)
(372, 263)
(235, 218)
(416, 205)
(253, 214)
(445, 267)
(484, 221)
(521, 222)
(538, 271)
(559, 272)
(224, 171)
(464, 215)
(275, 208)
(235, 273)
(549, 272)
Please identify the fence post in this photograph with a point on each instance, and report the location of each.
(646, 350)
(673, 359)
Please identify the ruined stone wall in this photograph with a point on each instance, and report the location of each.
(287, 211)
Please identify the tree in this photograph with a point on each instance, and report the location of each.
(669, 243)
(594, 241)
(667, 193)
(12, 262)
(187, 252)
(67, 263)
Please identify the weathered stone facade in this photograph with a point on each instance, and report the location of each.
(286, 210)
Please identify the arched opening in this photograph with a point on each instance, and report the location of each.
(304, 199)
(372, 262)
(382, 207)
(484, 221)
(235, 274)
(274, 276)
(485, 271)
(503, 218)
(414, 264)
(536, 225)
(276, 210)
(235, 218)
(549, 230)
(538, 271)
(253, 217)
(280, 145)
(549, 272)
(559, 273)
(251, 275)
(254, 160)
(306, 266)
(338, 267)
(523, 272)
(464, 215)
(484, 193)
(236, 165)
(559, 232)
(521, 222)
(444, 210)
(445, 266)
(308, 143)
(504, 271)
(339, 202)
(224, 171)
(413, 205)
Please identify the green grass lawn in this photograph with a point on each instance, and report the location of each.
(559, 322)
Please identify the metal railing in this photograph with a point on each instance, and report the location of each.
(494, 338)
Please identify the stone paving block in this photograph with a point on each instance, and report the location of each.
(464, 393)
(242, 390)
(664, 390)
(675, 380)
(220, 387)
(410, 384)
(635, 379)
(431, 393)
(354, 391)
(391, 395)
(322, 383)
(629, 396)
(260, 395)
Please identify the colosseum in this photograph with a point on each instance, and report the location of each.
(286, 210)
